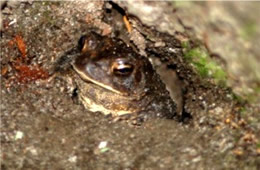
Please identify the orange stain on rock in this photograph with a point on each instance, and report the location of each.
(21, 45)
(24, 73)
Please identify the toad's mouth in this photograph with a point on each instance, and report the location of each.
(89, 79)
(97, 107)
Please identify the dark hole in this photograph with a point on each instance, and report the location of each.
(108, 11)
(185, 117)
(4, 4)
(118, 8)
(75, 93)
(172, 66)
(46, 129)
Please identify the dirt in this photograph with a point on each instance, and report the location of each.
(44, 127)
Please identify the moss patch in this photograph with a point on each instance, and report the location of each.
(204, 65)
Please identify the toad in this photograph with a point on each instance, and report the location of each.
(113, 79)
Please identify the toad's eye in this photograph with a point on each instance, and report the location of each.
(122, 68)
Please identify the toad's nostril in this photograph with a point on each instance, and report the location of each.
(81, 42)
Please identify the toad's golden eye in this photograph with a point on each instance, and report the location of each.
(122, 68)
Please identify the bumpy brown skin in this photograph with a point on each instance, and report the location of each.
(115, 80)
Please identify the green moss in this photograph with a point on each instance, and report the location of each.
(243, 112)
(203, 64)
(238, 98)
(258, 145)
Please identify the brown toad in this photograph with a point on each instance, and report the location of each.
(113, 79)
